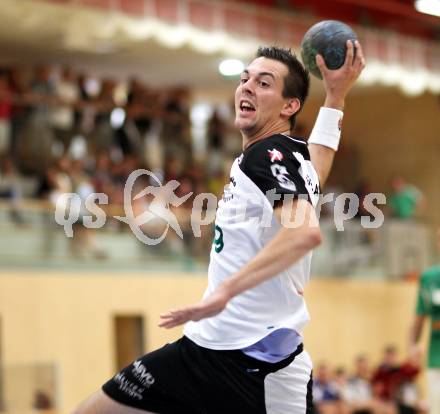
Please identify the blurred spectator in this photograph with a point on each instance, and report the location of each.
(10, 188)
(67, 93)
(363, 190)
(393, 382)
(53, 184)
(102, 178)
(406, 201)
(176, 131)
(144, 123)
(55, 181)
(386, 376)
(216, 137)
(340, 382)
(359, 392)
(326, 397)
(84, 113)
(139, 107)
(5, 113)
(216, 131)
(19, 110)
(102, 135)
(35, 142)
(84, 242)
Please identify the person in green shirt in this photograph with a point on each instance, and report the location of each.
(428, 307)
(406, 201)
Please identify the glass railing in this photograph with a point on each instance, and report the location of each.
(398, 249)
(31, 238)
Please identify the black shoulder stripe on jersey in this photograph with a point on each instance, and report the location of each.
(271, 165)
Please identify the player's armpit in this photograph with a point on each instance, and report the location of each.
(322, 161)
(297, 215)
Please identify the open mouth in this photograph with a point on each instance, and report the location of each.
(247, 107)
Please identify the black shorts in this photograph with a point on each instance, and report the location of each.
(184, 378)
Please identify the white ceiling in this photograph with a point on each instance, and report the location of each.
(33, 32)
(39, 33)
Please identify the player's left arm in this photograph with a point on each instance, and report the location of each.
(324, 139)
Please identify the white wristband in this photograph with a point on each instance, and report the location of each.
(327, 129)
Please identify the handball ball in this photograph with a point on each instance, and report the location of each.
(328, 39)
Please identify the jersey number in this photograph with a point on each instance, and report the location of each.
(218, 239)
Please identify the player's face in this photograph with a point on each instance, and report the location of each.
(259, 98)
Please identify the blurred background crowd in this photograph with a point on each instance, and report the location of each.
(388, 388)
(62, 131)
(54, 121)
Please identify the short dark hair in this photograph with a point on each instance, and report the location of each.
(297, 81)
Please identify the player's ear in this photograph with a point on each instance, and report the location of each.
(291, 106)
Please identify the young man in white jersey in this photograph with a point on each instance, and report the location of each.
(242, 347)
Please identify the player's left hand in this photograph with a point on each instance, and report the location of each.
(210, 306)
(338, 82)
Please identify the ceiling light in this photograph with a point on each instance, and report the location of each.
(428, 7)
(231, 67)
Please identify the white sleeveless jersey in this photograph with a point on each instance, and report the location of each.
(277, 167)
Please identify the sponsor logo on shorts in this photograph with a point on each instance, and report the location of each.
(141, 373)
(126, 386)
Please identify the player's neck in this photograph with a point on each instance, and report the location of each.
(250, 139)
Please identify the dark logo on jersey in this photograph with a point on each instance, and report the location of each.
(275, 155)
(282, 175)
(232, 180)
(340, 123)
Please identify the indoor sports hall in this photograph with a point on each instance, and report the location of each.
(117, 138)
